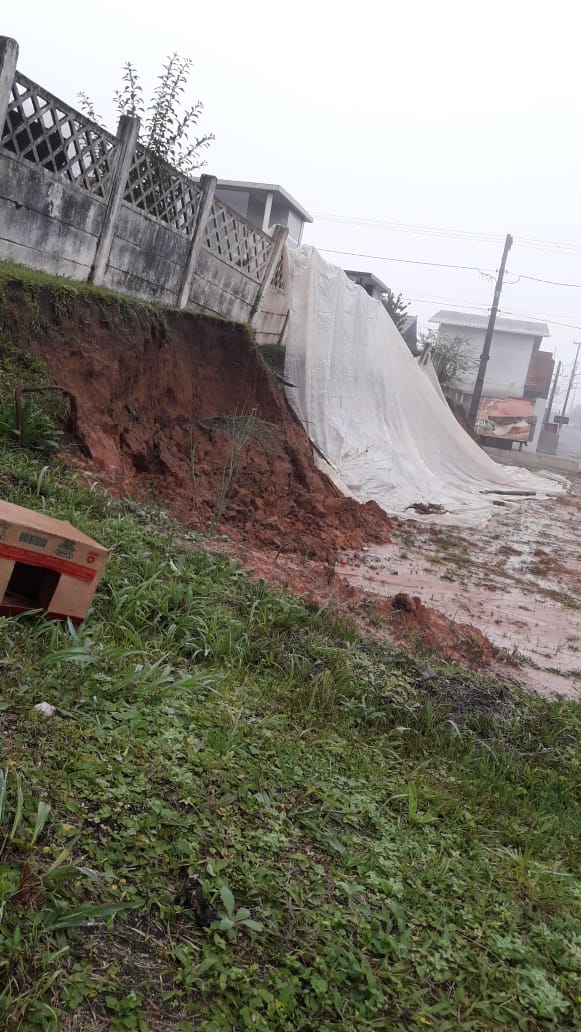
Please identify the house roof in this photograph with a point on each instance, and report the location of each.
(368, 277)
(238, 184)
(479, 322)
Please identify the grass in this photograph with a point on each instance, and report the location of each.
(46, 299)
(387, 844)
(64, 292)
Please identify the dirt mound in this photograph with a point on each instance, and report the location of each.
(451, 639)
(400, 619)
(161, 398)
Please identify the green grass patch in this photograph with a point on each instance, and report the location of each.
(386, 844)
(45, 298)
(64, 292)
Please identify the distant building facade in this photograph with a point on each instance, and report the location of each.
(265, 206)
(518, 374)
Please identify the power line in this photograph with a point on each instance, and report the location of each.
(408, 261)
(463, 305)
(554, 322)
(448, 265)
(551, 317)
(401, 227)
(551, 246)
(425, 299)
(537, 279)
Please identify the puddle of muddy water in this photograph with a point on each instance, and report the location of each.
(518, 580)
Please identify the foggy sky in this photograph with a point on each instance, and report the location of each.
(453, 115)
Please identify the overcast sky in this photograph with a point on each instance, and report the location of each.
(458, 116)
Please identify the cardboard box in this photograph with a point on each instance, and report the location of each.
(46, 564)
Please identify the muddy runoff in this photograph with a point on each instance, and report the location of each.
(518, 580)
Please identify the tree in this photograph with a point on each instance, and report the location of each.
(166, 127)
(450, 357)
(396, 307)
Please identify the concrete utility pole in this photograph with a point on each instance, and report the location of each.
(570, 385)
(547, 419)
(477, 392)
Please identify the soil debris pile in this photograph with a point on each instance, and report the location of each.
(163, 397)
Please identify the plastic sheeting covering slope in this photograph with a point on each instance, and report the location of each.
(428, 369)
(371, 411)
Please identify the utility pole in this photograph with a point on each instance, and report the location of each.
(477, 392)
(570, 385)
(547, 419)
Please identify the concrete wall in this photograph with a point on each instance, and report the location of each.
(45, 222)
(147, 258)
(271, 319)
(114, 215)
(507, 368)
(219, 289)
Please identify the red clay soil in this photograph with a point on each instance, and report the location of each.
(156, 398)
(401, 619)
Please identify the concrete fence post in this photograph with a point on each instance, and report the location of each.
(278, 240)
(127, 133)
(207, 191)
(8, 59)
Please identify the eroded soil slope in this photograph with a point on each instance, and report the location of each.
(160, 396)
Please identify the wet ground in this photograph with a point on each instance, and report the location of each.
(518, 580)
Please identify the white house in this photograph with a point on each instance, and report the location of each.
(265, 205)
(516, 369)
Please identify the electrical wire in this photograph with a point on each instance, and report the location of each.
(537, 279)
(551, 246)
(464, 305)
(408, 261)
(401, 227)
(448, 265)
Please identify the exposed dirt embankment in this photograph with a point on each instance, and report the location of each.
(160, 395)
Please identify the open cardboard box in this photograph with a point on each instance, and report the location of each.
(46, 564)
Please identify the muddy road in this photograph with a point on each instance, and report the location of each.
(518, 580)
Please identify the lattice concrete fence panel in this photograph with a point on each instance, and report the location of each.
(47, 132)
(271, 319)
(157, 189)
(78, 201)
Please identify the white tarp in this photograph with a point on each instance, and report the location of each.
(370, 410)
(428, 369)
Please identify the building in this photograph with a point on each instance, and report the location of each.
(370, 283)
(265, 206)
(518, 374)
